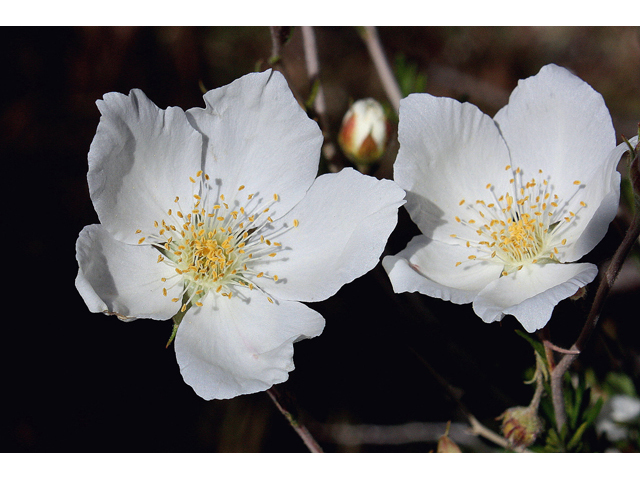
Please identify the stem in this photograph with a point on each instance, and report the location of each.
(606, 283)
(275, 45)
(319, 105)
(372, 40)
(300, 429)
(313, 67)
(477, 428)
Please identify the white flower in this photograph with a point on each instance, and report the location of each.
(618, 411)
(506, 204)
(217, 212)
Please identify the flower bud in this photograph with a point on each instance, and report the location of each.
(446, 445)
(364, 132)
(520, 426)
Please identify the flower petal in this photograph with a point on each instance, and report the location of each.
(136, 162)
(122, 279)
(596, 227)
(345, 221)
(531, 293)
(239, 345)
(257, 136)
(449, 151)
(429, 267)
(557, 123)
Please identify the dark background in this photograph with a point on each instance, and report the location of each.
(80, 382)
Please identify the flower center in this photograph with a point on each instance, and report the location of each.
(217, 244)
(526, 225)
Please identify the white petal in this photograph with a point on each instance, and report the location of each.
(230, 347)
(257, 136)
(449, 151)
(140, 159)
(557, 123)
(428, 266)
(122, 279)
(345, 221)
(595, 226)
(531, 293)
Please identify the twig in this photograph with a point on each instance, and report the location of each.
(313, 67)
(300, 429)
(413, 432)
(319, 105)
(477, 428)
(606, 283)
(555, 348)
(388, 79)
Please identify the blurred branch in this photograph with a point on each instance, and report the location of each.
(285, 406)
(413, 432)
(606, 283)
(388, 79)
(480, 91)
(279, 35)
(319, 106)
(477, 428)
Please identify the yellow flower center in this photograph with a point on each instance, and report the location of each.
(217, 244)
(520, 227)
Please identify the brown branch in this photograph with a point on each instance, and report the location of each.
(477, 428)
(606, 283)
(312, 63)
(388, 79)
(285, 407)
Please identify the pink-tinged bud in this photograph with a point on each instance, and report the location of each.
(446, 445)
(364, 132)
(580, 293)
(520, 426)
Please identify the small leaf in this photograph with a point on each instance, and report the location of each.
(538, 347)
(592, 413)
(577, 436)
(173, 334)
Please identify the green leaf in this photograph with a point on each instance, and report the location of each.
(312, 95)
(409, 79)
(618, 382)
(577, 436)
(590, 415)
(537, 346)
(576, 409)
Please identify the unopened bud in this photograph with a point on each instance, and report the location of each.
(580, 293)
(364, 132)
(446, 445)
(521, 426)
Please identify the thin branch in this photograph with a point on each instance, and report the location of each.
(276, 43)
(313, 67)
(606, 283)
(286, 409)
(477, 428)
(413, 432)
(319, 105)
(388, 79)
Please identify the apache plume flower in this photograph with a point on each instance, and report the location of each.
(215, 216)
(505, 205)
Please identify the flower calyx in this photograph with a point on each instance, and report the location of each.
(521, 426)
